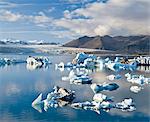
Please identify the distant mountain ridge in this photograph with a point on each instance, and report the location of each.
(27, 42)
(123, 44)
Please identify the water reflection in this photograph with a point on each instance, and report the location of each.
(15, 104)
(36, 66)
(144, 69)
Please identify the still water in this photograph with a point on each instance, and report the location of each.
(19, 86)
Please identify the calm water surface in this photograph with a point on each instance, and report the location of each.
(20, 86)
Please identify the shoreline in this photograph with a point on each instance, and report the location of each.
(57, 49)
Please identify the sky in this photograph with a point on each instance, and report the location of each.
(64, 20)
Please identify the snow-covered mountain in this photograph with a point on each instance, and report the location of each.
(22, 42)
(12, 41)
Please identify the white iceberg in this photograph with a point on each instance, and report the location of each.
(78, 78)
(137, 79)
(126, 105)
(99, 97)
(135, 89)
(113, 77)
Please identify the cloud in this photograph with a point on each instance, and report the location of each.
(6, 15)
(123, 17)
(7, 4)
(40, 19)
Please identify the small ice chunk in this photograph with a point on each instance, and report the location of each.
(135, 89)
(99, 97)
(113, 77)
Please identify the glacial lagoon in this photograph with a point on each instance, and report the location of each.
(20, 85)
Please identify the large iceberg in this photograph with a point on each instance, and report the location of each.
(57, 98)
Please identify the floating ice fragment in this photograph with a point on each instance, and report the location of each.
(137, 79)
(78, 78)
(113, 77)
(116, 66)
(135, 89)
(126, 105)
(99, 97)
(101, 87)
(57, 98)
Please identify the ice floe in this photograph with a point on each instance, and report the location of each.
(113, 77)
(104, 87)
(126, 105)
(135, 89)
(137, 79)
(78, 78)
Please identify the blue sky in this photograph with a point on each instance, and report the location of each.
(64, 20)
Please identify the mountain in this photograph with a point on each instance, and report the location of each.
(27, 42)
(122, 44)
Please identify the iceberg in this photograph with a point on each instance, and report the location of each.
(104, 87)
(38, 60)
(80, 58)
(126, 105)
(99, 97)
(117, 66)
(93, 106)
(137, 79)
(135, 89)
(57, 98)
(78, 78)
(113, 77)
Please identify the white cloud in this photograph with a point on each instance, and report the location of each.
(6, 15)
(40, 19)
(67, 14)
(115, 17)
(123, 17)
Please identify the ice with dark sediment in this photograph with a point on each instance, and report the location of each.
(37, 62)
(57, 98)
